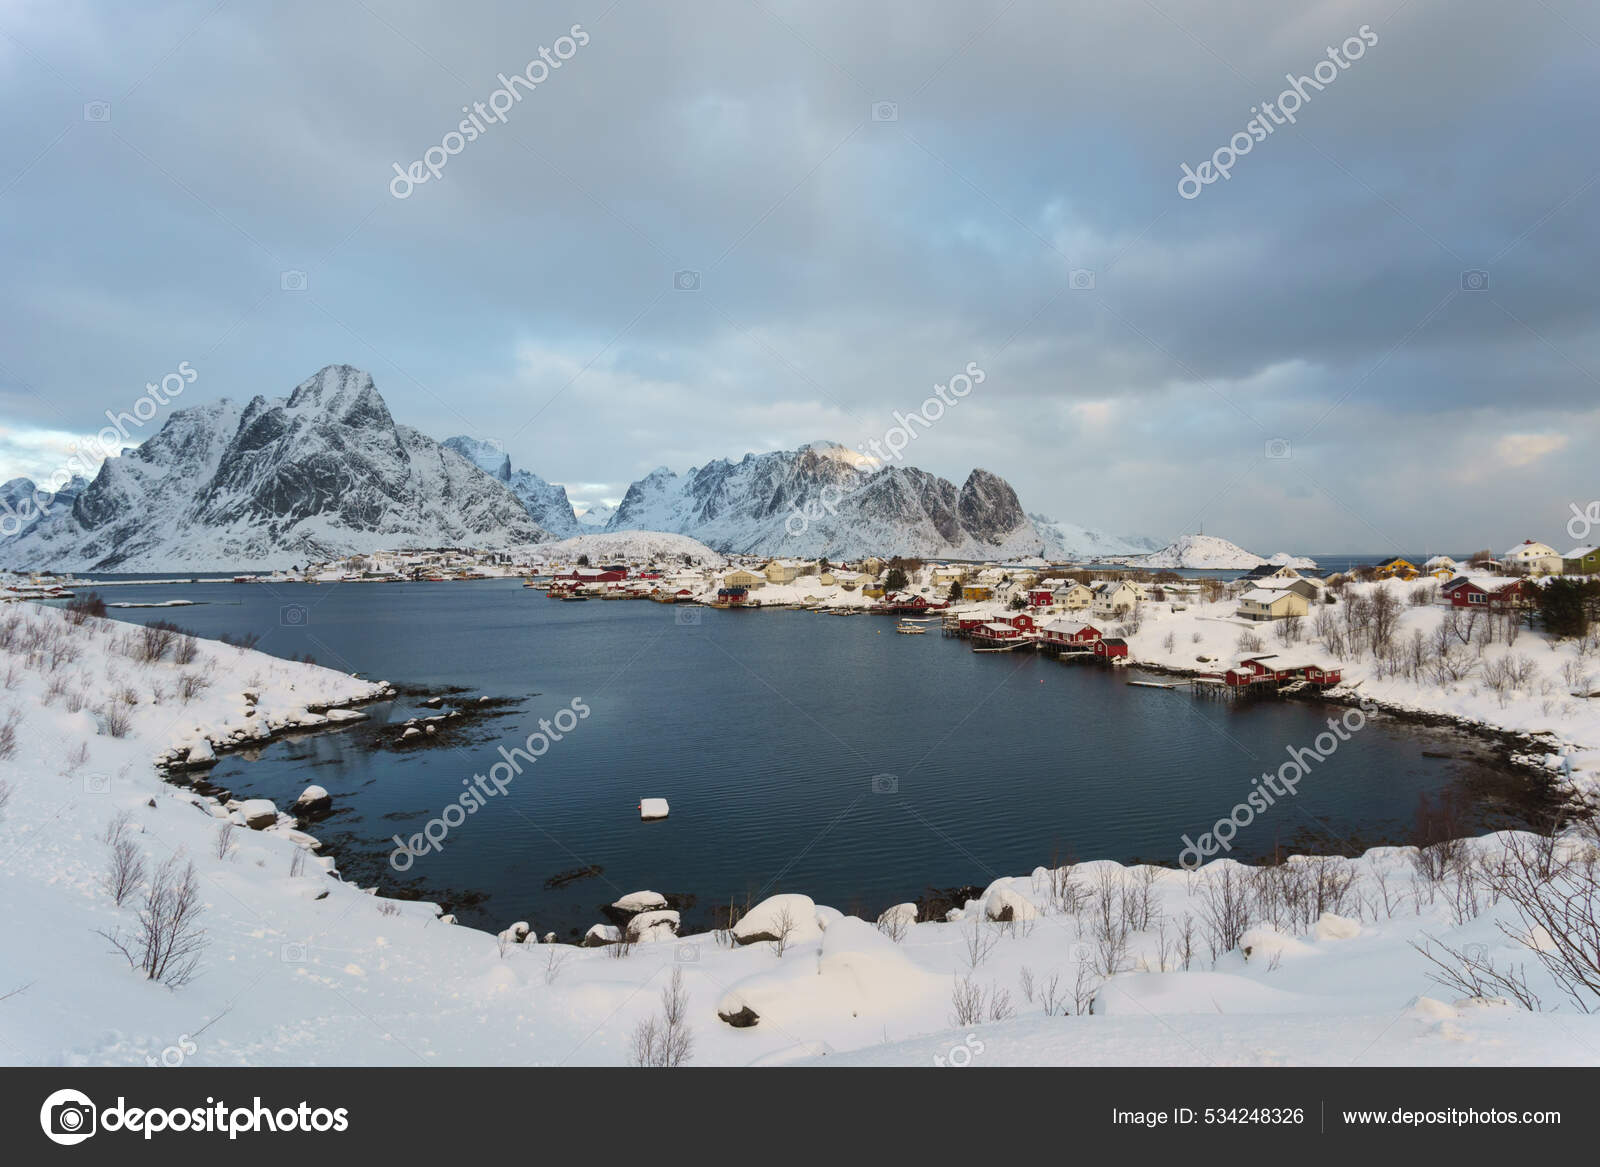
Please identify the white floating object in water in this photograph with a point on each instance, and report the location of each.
(653, 808)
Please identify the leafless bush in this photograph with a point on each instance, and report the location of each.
(966, 1002)
(1052, 997)
(1224, 910)
(1470, 972)
(979, 942)
(555, 960)
(667, 1040)
(1000, 1006)
(185, 649)
(1066, 894)
(81, 608)
(191, 685)
(1025, 983)
(8, 733)
(5, 795)
(168, 941)
(783, 929)
(297, 864)
(1558, 906)
(1249, 642)
(1084, 988)
(223, 847)
(154, 641)
(116, 718)
(127, 870)
(1109, 924)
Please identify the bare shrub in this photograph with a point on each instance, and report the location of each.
(191, 685)
(185, 649)
(223, 847)
(979, 942)
(665, 1040)
(1249, 642)
(1224, 910)
(8, 733)
(1558, 908)
(167, 942)
(154, 641)
(127, 870)
(116, 718)
(1470, 972)
(81, 608)
(966, 1002)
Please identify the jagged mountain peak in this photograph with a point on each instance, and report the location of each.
(323, 472)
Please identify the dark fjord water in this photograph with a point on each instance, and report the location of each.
(765, 730)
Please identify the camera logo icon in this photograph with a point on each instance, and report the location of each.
(97, 111)
(1278, 449)
(687, 616)
(686, 953)
(885, 784)
(1475, 281)
(1081, 279)
(293, 952)
(68, 1117)
(885, 111)
(686, 280)
(292, 281)
(96, 783)
(293, 615)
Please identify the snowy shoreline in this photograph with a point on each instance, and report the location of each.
(303, 968)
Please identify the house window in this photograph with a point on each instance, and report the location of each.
(1475, 597)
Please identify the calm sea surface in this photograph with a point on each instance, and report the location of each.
(799, 752)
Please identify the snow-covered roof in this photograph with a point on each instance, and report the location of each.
(1578, 553)
(1265, 595)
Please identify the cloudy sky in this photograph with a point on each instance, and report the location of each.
(866, 197)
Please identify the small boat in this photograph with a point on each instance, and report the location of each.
(905, 629)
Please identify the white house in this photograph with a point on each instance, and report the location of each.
(1533, 557)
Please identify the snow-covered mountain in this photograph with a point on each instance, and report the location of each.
(1208, 551)
(547, 504)
(827, 499)
(629, 546)
(324, 472)
(1070, 541)
(597, 516)
(23, 502)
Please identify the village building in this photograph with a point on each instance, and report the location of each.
(1534, 558)
(1271, 604)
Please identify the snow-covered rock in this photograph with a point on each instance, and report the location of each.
(790, 917)
(258, 813)
(313, 798)
(640, 901)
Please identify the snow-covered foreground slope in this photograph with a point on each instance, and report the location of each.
(299, 968)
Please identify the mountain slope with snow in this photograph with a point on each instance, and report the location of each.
(325, 472)
(546, 503)
(1210, 552)
(826, 499)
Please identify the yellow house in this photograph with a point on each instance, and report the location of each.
(826, 579)
(780, 572)
(1397, 569)
(874, 591)
(976, 592)
(740, 578)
